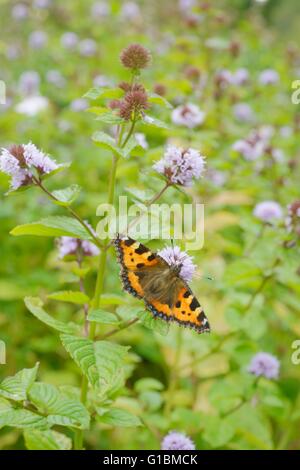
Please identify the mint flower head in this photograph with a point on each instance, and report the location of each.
(175, 257)
(177, 441)
(267, 211)
(135, 57)
(181, 166)
(264, 365)
(189, 115)
(20, 161)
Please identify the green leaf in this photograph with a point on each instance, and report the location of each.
(154, 122)
(60, 409)
(112, 299)
(160, 100)
(101, 316)
(53, 226)
(218, 431)
(66, 196)
(100, 361)
(82, 352)
(108, 117)
(35, 306)
(148, 383)
(36, 439)
(97, 93)
(156, 324)
(16, 387)
(120, 417)
(106, 141)
(110, 361)
(75, 297)
(19, 418)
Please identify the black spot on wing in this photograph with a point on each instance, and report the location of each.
(151, 257)
(141, 249)
(129, 241)
(140, 265)
(186, 294)
(194, 304)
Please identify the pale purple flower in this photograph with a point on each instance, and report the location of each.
(264, 365)
(243, 112)
(286, 131)
(223, 78)
(100, 10)
(38, 39)
(185, 5)
(32, 105)
(12, 52)
(42, 4)
(189, 115)
(181, 166)
(29, 83)
(175, 257)
(177, 441)
(19, 11)
(130, 11)
(18, 162)
(71, 246)
(56, 78)
(240, 77)
(69, 40)
(102, 80)
(141, 140)
(87, 47)
(255, 145)
(78, 105)
(268, 211)
(217, 177)
(268, 77)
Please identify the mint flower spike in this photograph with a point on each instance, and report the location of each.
(267, 211)
(265, 365)
(174, 256)
(177, 441)
(181, 166)
(19, 160)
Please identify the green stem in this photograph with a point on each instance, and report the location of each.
(174, 374)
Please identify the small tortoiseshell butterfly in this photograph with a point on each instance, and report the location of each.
(147, 276)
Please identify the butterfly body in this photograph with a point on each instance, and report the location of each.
(147, 276)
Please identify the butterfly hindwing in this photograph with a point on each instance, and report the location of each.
(147, 276)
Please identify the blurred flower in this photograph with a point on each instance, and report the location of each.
(141, 140)
(80, 104)
(100, 10)
(268, 211)
(243, 112)
(18, 161)
(223, 78)
(175, 257)
(286, 131)
(71, 246)
(217, 177)
(177, 441)
(42, 4)
(12, 52)
(160, 89)
(69, 40)
(29, 83)
(264, 365)
(240, 77)
(130, 11)
(268, 77)
(180, 166)
(88, 47)
(255, 145)
(188, 115)
(135, 57)
(19, 11)
(293, 219)
(38, 39)
(56, 78)
(32, 105)
(102, 80)
(185, 5)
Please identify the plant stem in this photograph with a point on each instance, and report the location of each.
(174, 374)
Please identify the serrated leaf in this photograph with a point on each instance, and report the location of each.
(156, 324)
(160, 100)
(96, 93)
(53, 226)
(106, 141)
(66, 196)
(120, 417)
(74, 297)
(109, 361)
(35, 306)
(16, 387)
(108, 117)
(112, 299)
(101, 316)
(19, 418)
(60, 409)
(36, 439)
(154, 122)
(82, 352)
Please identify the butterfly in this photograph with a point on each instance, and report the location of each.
(146, 275)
